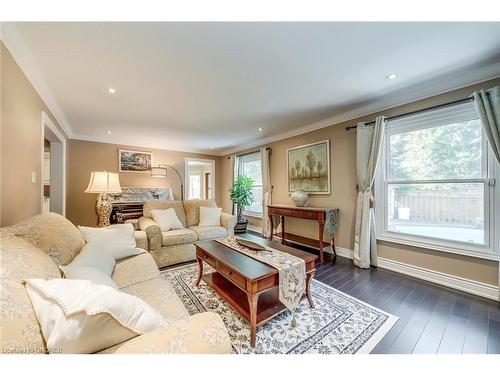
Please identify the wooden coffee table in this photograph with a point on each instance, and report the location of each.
(249, 286)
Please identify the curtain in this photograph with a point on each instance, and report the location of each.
(487, 104)
(267, 189)
(234, 175)
(368, 146)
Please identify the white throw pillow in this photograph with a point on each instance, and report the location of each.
(77, 316)
(209, 216)
(166, 219)
(88, 273)
(93, 255)
(118, 240)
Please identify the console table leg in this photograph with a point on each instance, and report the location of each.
(309, 277)
(283, 230)
(334, 249)
(252, 305)
(200, 270)
(271, 225)
(321, 227)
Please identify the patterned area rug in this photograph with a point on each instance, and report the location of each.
(339, 323)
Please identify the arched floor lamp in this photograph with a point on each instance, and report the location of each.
(161, 171)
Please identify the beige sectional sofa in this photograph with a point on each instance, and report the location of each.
(35, 248)
(177, 246)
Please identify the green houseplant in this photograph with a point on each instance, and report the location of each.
(241, 195)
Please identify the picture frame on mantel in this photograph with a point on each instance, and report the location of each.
(308, 168)
(135, 161)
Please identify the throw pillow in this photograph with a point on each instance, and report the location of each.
(77, 316)
(118, 240)
(88, 273)
(94, 256)
(166, 219)
(209, 216)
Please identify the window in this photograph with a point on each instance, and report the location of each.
(435, 185)
(194, 185)
(250, 166)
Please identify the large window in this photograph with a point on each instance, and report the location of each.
(435, 185)
(250, 166)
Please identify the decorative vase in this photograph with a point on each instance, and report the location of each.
(299, 198)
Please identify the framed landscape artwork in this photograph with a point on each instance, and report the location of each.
(135, 161)
(309, 168)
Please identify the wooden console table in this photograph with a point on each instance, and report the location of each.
(308, 213)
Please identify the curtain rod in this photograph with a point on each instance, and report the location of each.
(465, 100)
(248, 153)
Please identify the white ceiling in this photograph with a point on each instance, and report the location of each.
(193, 86)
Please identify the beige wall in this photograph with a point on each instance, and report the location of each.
(85, 157)
(21, 146)
(343, 196)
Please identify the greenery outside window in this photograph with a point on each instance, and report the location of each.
(250, 166)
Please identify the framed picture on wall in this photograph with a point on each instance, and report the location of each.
(309, 168)
(135, 161)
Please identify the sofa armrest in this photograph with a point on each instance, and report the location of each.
(202, 333)
(141, 239)
(229, 222)
(153, 232)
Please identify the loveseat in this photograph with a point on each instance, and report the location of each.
(177, 245)
(35, 248)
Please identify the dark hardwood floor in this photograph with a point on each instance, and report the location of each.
(432, 318)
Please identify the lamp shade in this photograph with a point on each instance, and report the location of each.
(159, 171)
(104, 182)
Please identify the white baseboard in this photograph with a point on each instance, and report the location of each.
(455, 282)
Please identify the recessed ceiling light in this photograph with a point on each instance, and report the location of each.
(211, 147)
(108, 132)
(391, 76)
(112, 90)
(260, 129)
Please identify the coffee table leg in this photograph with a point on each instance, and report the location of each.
(309, 277)
(252, 304)
(200, 270)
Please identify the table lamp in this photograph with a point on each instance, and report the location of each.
(103, 183)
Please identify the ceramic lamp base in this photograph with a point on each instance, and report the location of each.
(103, 209)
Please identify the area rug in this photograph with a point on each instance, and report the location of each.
(339, 323)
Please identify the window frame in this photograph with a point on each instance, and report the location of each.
(241, 161)
(490, 171)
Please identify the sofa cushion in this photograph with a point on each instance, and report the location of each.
(209, 232)
(164, 205)
(52, 233)
(20, 331)
(134, 270)
(159, 294)
(192, 209)
(178, 237)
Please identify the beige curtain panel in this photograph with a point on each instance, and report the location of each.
(368, 146)
(487, 104)
(267, 189)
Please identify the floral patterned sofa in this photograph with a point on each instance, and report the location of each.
(35, 248)
(177, 246)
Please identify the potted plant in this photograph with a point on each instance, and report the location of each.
(242, 196)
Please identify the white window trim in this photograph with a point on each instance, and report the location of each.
(490, 250)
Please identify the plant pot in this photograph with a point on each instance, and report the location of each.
(241, 226)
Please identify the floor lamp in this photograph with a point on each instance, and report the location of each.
(161, 171)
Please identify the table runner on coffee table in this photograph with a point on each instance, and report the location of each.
(291, 270)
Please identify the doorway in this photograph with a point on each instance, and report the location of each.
(53, 168)
(200, 178)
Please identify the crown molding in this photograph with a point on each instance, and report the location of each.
(432, 87)
(144, 145)
(17, 47)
